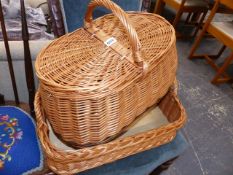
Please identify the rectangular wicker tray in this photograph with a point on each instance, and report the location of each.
(142, 136)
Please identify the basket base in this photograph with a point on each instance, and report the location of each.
(75, 145)
(79, 146)
(109, 139)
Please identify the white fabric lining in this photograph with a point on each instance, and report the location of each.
(151, 119)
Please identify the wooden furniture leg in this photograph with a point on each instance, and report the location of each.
(217, 79)
(200, 23)
(219, 53)
(163, 167)
(199, 38)
(188, 18)
(195, 17)
(160, 4)
(202, 56)
(177, 18)
(178, 15)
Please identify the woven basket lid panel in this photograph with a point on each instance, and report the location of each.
(80, 61)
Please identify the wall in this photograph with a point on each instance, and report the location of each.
(16, 48)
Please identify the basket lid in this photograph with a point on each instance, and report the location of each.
(109, 52)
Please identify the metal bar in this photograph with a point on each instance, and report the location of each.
(8, 54)
(27, 59)
(2, 100)
(56, 17)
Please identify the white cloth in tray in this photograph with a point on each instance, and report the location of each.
(152, 118)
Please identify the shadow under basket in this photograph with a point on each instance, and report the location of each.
(71, 161)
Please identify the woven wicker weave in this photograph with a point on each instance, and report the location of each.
(74, 161)
(91, 91)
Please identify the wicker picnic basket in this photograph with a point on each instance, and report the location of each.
(95, 81)
(73, 161)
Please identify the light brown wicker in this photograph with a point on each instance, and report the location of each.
(74, 161)
(91, 91)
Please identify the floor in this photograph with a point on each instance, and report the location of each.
(209, 129)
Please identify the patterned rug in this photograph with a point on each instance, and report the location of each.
(20, 151)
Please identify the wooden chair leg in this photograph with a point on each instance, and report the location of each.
(200, 23)
(199, 38)
(214, 65)
(159, 7)
(220, 52)
(177, 18)
(195, 17)
(188, 18)
(217, 79)
(213, 57)
(196, 43)
(163, 167)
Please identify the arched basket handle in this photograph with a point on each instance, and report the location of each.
(123, 17)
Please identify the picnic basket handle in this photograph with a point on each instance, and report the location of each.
(123, 17)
